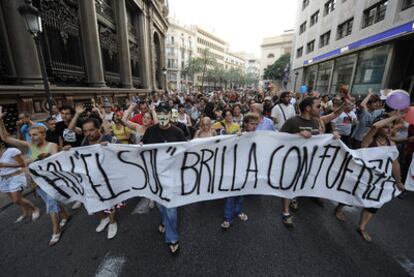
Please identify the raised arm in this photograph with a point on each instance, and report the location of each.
(72, 125)
(125, 118)
(366, 99)
(5, 136)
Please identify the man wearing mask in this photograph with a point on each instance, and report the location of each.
(162, 132)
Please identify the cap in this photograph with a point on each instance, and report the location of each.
(163, 107)
(268, 98)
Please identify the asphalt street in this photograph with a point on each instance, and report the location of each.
(319, 245)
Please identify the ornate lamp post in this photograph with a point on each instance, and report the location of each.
(33, 23)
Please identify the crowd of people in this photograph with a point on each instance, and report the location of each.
(173, 117)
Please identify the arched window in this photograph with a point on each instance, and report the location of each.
(271, 55)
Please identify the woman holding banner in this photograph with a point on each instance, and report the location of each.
(234, 205)
(379, 135)
(40, 148)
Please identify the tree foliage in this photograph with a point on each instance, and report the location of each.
(277, 71)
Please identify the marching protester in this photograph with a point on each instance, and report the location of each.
(13, 181)
(234, 205)
(91, 128)
(306, 125)
(205, 129)
(163, 132)
(39, 149)
(227, 126)
(283, 111)
(378, 135)
(265, 124)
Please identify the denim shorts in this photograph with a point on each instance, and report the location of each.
(13, 183)
(52, 206)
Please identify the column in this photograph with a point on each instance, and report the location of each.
(21, 44)
(163, 61)
(91, 45)
(145, 48)
(123, 44)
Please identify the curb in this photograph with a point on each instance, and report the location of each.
(2, 209)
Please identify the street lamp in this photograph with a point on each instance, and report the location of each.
(33, 24)
(296, 78)
(164, 71)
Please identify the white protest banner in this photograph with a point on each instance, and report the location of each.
(177, 174)
(409, 182)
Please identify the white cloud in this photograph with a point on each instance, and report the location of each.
(242, 23)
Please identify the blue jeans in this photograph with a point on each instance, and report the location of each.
(169, 220)
(233, 207)
(52, 206)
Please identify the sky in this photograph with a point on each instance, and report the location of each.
(243, 23)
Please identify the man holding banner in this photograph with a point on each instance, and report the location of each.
(164, 132)
(304, 125)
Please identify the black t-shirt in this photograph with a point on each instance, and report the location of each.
(69, 137)
(52, 136)
(155, 134)
(183, 128)
(296, 124)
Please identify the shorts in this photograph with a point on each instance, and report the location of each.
(52, 206)
(13, 183)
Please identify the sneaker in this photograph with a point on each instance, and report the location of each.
(76, 205)
(112, 230)
(243, 216)
(102, 224)
(287, 220)
(35, 215)
(225, 225)
(55, 239)
(294, 205)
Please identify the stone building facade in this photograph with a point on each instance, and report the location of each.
(92, 49)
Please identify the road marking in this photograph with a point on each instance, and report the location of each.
(111, 266)
(407, 264)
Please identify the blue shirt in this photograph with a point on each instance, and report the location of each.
(365, 122)
(265, 124)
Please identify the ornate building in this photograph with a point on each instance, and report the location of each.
(92, 49)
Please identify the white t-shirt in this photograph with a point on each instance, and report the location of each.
(7, 157)
(343, 123)
(281, 112)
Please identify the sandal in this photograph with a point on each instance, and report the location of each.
(35, 215)
(339, 214)
(64, 221)
(364, 235)
(225, 225)
(161, 229)
(55, 239)
(243, 216)
(174, 248)
(20, 219)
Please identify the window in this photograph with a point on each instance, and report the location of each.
(305, 3)
(407, 4)
(342, 74)
(299, 52)
(345, 29)
(324, 74)
(310, 46)
(324, 39)
(329, 7)
(302, 28)
(270, 56)
(370, 69)
(171, 63)
(374, 14)
(314, 18)
(172, 40)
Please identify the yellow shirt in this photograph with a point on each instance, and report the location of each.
(230, 129)
(122, 134)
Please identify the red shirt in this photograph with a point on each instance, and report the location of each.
(137, 119)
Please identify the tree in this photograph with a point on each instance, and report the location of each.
(207, 61)
(276, 71)
(192, 67)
